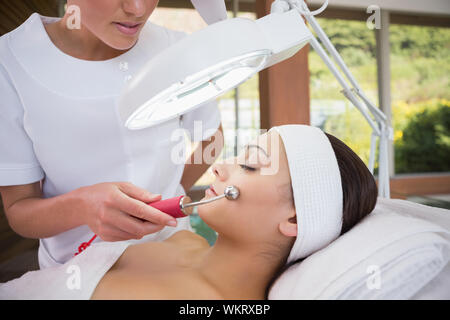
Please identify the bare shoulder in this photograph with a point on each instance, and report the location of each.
(176, 285)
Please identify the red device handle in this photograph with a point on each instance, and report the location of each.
(170, 206)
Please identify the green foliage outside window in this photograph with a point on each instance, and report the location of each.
(420, 81)
(425, 142)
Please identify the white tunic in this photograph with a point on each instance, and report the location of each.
(59, 121)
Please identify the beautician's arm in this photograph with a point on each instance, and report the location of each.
(33, 217)
(193, 172)
(115, 211)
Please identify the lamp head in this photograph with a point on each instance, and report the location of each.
(208, 63)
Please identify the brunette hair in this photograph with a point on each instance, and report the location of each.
(359, 191)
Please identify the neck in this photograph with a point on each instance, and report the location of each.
(237, 271)
(80, 43)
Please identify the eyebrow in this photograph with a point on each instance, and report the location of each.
(258, 147)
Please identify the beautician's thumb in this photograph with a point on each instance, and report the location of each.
(138, 193)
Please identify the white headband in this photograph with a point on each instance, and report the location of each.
(316, 184)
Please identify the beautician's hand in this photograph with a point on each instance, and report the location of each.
(118, 211)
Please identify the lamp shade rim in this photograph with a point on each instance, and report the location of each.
(201, 50)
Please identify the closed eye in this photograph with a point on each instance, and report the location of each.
(247, 168)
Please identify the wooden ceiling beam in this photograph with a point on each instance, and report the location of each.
(185, 4)
(14, 13)
(395, 18)
(333, 13)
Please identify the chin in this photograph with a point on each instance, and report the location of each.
(123, 45)
(202, 210)
(207, 211)
(120, 42)
(205, 215)
(214, 215)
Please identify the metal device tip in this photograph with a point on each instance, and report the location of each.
(231, 192)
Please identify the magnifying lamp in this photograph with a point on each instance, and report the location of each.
(218, 58)
(207, 64)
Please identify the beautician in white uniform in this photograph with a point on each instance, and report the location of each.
(68, 166)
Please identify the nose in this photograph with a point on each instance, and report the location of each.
(134, 7)
(220, 171)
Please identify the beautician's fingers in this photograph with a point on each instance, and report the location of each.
(99, 204)
(137, 193)
(143, 211)
(136, 227)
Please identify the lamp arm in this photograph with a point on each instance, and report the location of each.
(347, 90)
(340, 62)
(374, 116)
(380, 128)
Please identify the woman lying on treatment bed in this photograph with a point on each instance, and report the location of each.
(299, 190)
(256, 233)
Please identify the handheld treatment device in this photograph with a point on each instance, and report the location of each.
(181, 206)
(178, 207)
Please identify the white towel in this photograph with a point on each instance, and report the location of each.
(74, 280)
(404, 244)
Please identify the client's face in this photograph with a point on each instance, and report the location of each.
(261, 173)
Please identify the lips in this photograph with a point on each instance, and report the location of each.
(128, 28)
(211, 188)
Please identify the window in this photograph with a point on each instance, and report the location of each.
(420, 95)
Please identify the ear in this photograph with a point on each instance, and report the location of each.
(288, 227)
